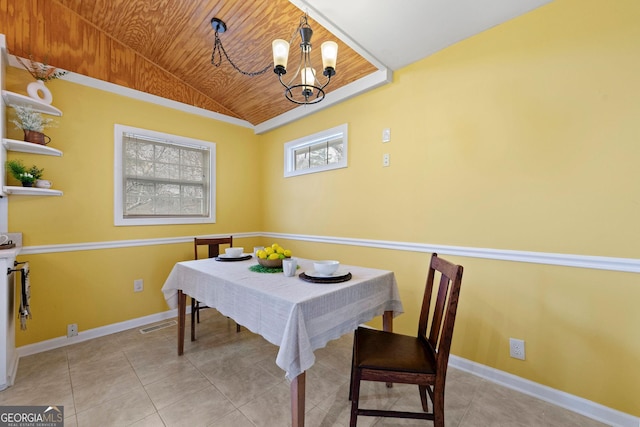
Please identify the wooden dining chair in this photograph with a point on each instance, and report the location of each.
(213, 250)
(422, 359)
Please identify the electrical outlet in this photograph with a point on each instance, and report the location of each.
(385, 159)
(72, 330)
(138, 285)
(516, 348)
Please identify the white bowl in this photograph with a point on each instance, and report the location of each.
(327, 267)
(235, 252)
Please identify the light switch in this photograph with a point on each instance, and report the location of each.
(386, 135)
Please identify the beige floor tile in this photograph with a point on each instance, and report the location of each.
(324, 382)
(176, 387)
(109, 388)
(41, 391)
(124, 410)
(152, 420)
(95, 349)
(70, 421)
(153, 363)
(52, 362)
(86, 373)
(234, 419)
(137, 379)
(271, 408)
(241, 386)
(200, 409)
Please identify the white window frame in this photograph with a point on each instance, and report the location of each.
(118, 190)
(326, 135)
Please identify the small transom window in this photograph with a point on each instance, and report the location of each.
(322, 151)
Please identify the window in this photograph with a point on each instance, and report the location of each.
(162, 178)
(322, 151)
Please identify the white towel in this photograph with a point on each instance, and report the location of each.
(25, 310)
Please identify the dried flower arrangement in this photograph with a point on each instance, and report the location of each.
(29, 119)
(41, 71)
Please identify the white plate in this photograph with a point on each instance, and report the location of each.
(339, 273)
(225, 256)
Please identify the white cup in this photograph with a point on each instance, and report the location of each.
(289, 266)
(3, 239)
(256, 249)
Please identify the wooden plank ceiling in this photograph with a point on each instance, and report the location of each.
(164, 47)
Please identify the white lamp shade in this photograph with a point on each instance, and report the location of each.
(280, 52)
(308, 76)
(329, 54)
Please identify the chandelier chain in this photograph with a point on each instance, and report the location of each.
(216, 59)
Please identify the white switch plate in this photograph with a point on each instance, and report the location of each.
(138, 285)
(386, 135)
(385, 159)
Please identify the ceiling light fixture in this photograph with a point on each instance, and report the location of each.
(310, 90)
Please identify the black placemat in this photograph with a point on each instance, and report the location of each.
(339, 279)
(242, 258)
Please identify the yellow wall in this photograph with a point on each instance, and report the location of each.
(523, 137)
(95, 288)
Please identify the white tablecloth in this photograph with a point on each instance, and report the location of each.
(295, 315)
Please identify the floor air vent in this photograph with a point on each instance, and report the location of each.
(158, 326)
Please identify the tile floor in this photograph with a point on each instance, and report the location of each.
(231, 379)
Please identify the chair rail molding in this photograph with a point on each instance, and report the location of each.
(629, 265)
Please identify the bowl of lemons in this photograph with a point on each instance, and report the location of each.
(272, 256)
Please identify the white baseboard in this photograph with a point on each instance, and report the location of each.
(565, 400)
(54, 343)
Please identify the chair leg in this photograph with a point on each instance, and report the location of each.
(353, 367)
(423, 397)
(438, 408)
(194, 308)
(237, 327)
(355, 397)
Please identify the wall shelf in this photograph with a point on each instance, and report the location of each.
(30, 191)
(12, 98)
(30, 147)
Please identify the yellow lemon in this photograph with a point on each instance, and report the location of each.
(275, 246)
(280, 250)
(268, 250)
(287, 253)
(262, 254)
(274, 256)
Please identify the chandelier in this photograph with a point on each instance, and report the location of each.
(310, 90)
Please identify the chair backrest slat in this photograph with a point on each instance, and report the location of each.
(440, 321)
(213, 244)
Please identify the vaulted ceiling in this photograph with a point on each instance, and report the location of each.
(164, 47)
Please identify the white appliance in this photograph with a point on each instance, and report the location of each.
(8, 353)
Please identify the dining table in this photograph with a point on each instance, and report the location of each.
(299, 314)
